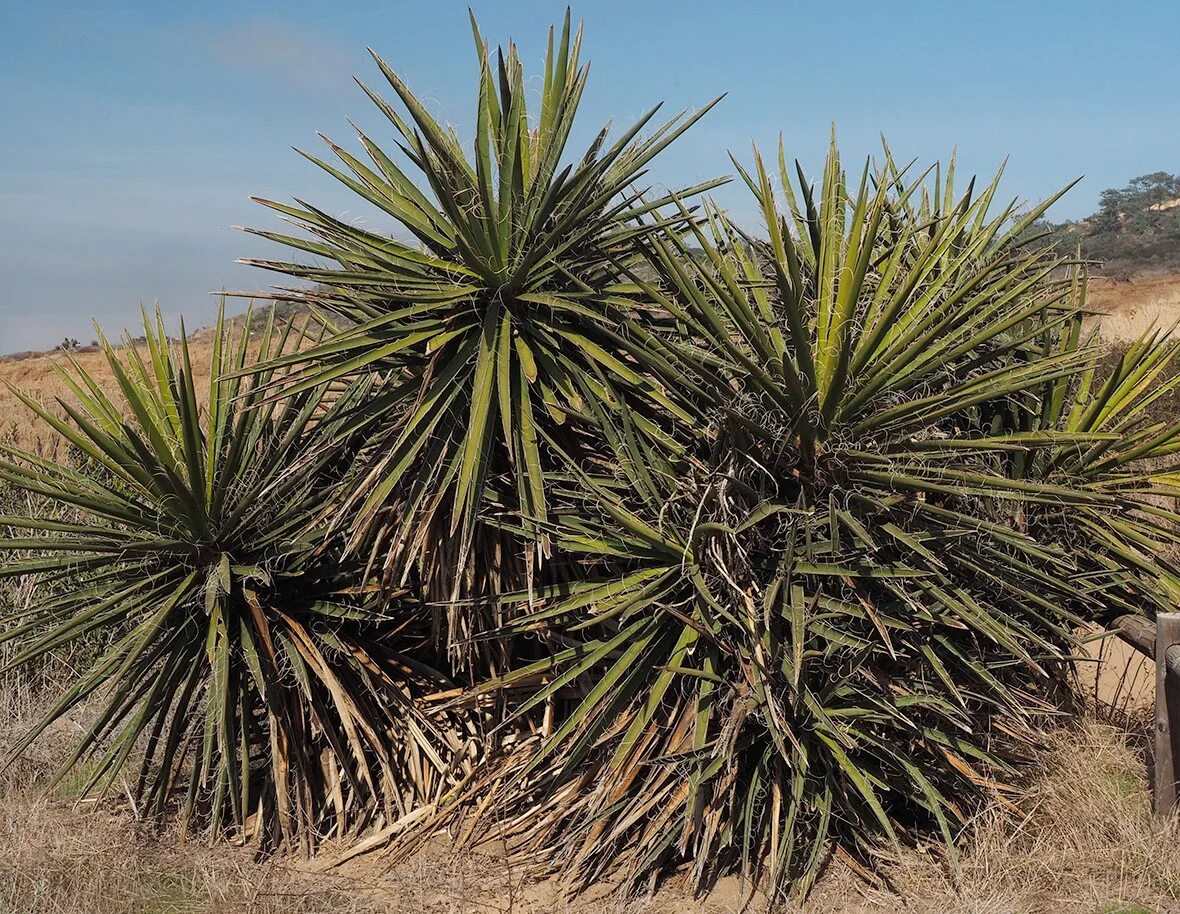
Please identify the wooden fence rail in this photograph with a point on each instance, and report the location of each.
(1160, 640)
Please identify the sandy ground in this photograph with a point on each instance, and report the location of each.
(1132, 307)
(1116, 674)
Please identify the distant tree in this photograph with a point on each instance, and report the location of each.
(1136, 227)
(1130, 207)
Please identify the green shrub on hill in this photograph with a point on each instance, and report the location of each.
(1136, 228)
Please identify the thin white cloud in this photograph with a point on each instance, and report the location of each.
(290, 54)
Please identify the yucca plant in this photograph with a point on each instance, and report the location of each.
(1132, 456)
(815, 624)
(499, 319)
(252, 680)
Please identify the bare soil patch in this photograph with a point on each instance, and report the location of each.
(1131, 307)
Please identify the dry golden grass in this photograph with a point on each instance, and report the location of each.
(1085, 843)
(1128, 309)
(38, 376)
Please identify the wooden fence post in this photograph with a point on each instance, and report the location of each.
(1167, 715)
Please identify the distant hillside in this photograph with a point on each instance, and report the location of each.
(1134, 235)
(285, 312)
(1135, 231)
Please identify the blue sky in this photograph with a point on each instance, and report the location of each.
(133, 133)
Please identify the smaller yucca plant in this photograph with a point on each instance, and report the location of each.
(251, 679)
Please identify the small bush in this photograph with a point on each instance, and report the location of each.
(248, 672)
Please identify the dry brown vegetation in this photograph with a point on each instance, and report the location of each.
(1079, 838)
(1128, 308)
(1083, 841)
(38, 377)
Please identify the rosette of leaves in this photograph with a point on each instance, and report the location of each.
(492, 314)
(816, 626)
(250, 679)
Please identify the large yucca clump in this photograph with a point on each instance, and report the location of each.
(835, 606)
(822, 504)
(251, 679)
